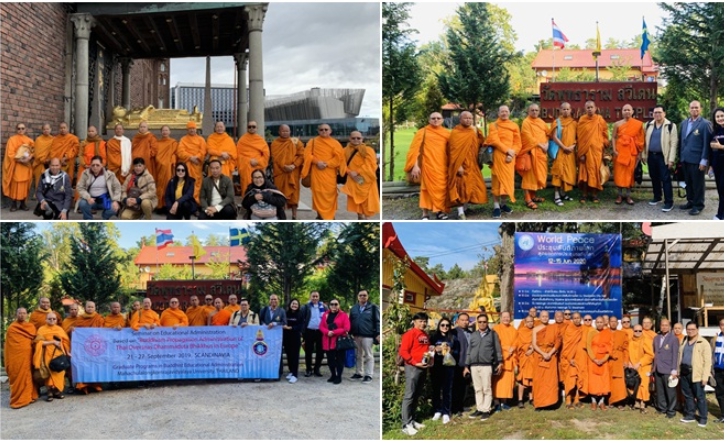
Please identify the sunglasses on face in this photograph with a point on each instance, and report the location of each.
(588, 319)
(444, 326)
(638, 331)
(251, 126)
(181, 170)
(333, 304)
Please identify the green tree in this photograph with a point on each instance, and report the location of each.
(475, 74)
(356, 261)
(21, 269)
(401, 75)
(93, 274)
(282, 256)
(146, 241)
(691, 51)
(169, 272)
(433, 101)
(215, 240)
(220, 266)
(456, 272)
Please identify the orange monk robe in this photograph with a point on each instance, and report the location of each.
(41, 155)
(172, 317)
(560, 327)
(65, 146)
(526, 364)
(221, 317)
(131, 316)
(582, 359)
(46, 333)
(563, 170)
(503, 385)
(680, 337)
(287, 152)
(166, 161)
(19, 363)
(651, 334)
(363, 198)
(17, 175)
(251, 146)
(433, 193)
(629, 140)
(464, 146)
(37, 317)
(641, 351)
(208, 309)
(145, 317)
(619, 358)
(504, 135)
(197, 316)
(592, 136)
(94, 320)
(114, 321)
(324, 188)
(193, 146)
(90, 149)
(533, 132)
(568, 373)
(629, 331)
(145, 146)
(69, 324)
(223, 143)
(600, 345)
(545, 378)
(232, 308)
(113, 158)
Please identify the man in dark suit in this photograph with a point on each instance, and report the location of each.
(217, 197)
(664, 368)
(459, 384)
(695, 134)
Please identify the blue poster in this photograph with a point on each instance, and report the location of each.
(580, 272)
(110, 355)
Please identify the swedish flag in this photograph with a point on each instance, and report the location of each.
(239, 236)
(644, 38)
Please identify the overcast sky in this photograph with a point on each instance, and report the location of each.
(306, 45)
(531, 21)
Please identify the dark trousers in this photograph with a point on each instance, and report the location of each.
(291, 345)
(414, 384)
(719, 390)
(666, 397)
(313, 341)
(184, 212)
(660, 177)
(442, 378)
(692, 390)
(227, 212)
(695, 185)
(336, 359)
(718, 168)
(459, 386)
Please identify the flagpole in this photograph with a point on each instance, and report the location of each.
(157, 246)
(552, 52)
(597, 52)
(194, 254)
(229, 249)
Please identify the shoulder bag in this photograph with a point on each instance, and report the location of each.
(345, 342)
(59, 363)
(341, 180)
(420, 160)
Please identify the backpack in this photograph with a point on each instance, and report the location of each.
(632, 379)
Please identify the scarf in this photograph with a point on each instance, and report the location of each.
(49, 180)
(125, 154)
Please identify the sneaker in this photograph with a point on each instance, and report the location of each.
(417, 425)
(506, 209)
(288, 376)
(702, 424)
(694, 212)
(716, 218)
(356, 376)
(653, 202)
(688, 419)
(667, 207)
(485, 416)
(686, 206)
(520, 405)
(475, 414)
(293, 380)
(505, 407)
(445, 419)
(308, 374)
(436, 416)
(409, 430)
(719, 421)
(496, 213)
(367, 379)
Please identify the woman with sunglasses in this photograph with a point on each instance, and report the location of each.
(334, 324)
(442, 374)
(262, 200)
(179, 195)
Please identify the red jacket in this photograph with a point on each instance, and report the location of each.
(343, 326)
(414, 343)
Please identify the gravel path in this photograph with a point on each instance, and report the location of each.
(309, 409)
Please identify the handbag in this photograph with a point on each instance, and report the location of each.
(524, 162)
(420, 159)
(345, 342)
(263, 210)
(341, 180)
(552, 146)
(639, 172)
(59, 363)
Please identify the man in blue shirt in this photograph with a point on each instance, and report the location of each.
(312, 313)
(694, 138)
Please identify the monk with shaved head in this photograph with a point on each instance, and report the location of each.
(287, 153)
(534, 170)
(525, 358)
(173, 316)
(628, 142)
(19, 360)
(504, 137)
(147, 317)
(361, 186)
(465, 183)
(592, 136)
(220, 146)
(38, 316)
(253, 154)
(546, 344)
(65, 146)
(220, 316)
(600, 348)
(618, 362)
(115, 319)
(323, 160)
(563, 171)
(92, 146)
(89, 319)
(166, 161)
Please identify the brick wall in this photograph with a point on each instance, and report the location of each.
(32, 78)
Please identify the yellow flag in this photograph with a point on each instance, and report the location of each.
(197, 249)
(597, 52)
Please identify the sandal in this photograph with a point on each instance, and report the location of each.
(538, 199)
(619, 199)
(530, 204)
(442, 216)
(629, 201)
(58, 395)
(566, 198)
(558, 201)
(582, 199)
(49, 398)
(595, 199)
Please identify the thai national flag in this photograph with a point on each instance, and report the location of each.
(559, 39)
(164, 238)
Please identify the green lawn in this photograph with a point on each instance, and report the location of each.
(569, 424)
(402, 141)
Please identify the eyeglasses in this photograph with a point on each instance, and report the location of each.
(333, 304)
(587, 319)
(566, 314)
(21, 128)
(181, 170)
(445, 325)
(638, 331)
(324, 129)
(356, 138)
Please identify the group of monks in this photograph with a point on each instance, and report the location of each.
(32, 341)
(323, 158)
(579, 357)
(446, 162)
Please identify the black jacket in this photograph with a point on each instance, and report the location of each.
(276, 199)
(187, 193)
(366, 323)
